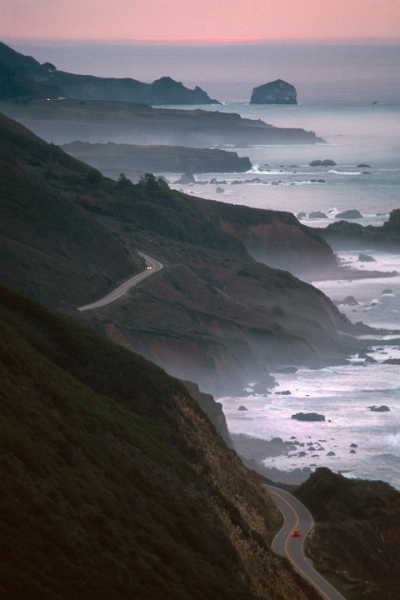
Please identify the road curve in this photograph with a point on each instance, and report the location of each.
(297, 518)
(152, 267)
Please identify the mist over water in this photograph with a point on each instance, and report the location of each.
(337, 87)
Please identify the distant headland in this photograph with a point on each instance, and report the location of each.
(24, 77)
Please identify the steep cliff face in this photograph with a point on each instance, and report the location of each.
(275, 92)
(212, 409)
(277, 239)
(346, 235)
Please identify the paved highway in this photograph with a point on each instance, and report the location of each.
(152, 267)
(297, 518)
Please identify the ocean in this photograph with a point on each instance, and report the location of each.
(350, 97)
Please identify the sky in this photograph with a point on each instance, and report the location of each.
(201, 20)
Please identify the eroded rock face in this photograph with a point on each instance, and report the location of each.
(274, 92)
(212, 409)
(285, 245)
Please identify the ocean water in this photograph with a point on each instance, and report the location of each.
(343, 394)
(353, 440)
(321, 72)
(355, 135)
(349, 96)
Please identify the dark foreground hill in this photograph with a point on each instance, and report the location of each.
(213, 314)
(356, 540)
(114, 484)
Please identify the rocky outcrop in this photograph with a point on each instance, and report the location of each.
(328, 162)
(365, 258)
(349, 214)
(343, 235)
(308, 417)
(274, 92)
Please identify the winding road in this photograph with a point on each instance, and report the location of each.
(297, 518)
(152, 267)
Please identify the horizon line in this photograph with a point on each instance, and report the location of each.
(210, 41)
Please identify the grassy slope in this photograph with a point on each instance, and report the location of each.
(114, 484)
(357, 534)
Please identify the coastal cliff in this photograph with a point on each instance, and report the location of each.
(278, 239)
(346, 235)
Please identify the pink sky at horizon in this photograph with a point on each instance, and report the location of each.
(201, 20)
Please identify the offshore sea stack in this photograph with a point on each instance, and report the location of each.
(274, 92)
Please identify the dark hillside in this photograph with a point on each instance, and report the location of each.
(51, 248)
(14, 85)
(212, 315)
(114, 483)
(28, 66)
(358, 532)
(69, 85)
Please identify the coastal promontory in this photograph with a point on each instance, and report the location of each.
(46, 81)
(112, 158)
(274, 92)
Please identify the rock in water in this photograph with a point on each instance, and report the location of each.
(308, 417)
(365, 258)
(317, 214)
(349, 214)
(323, 163)
(275, 92)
